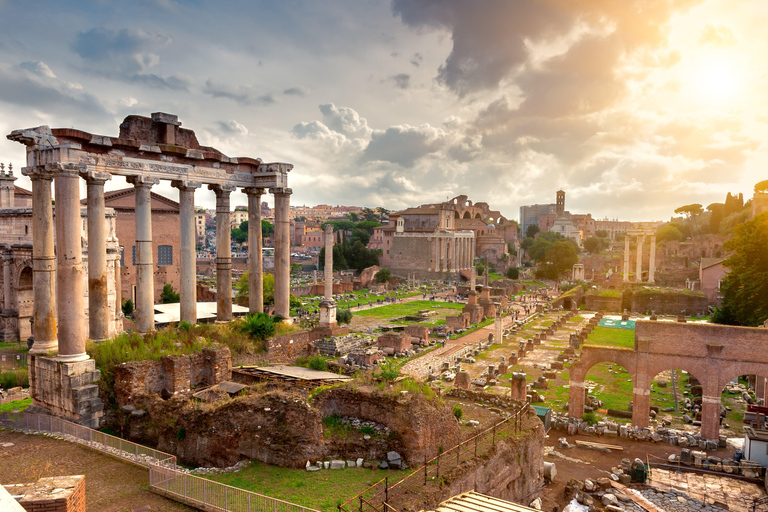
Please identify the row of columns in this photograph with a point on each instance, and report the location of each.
(453, 253)
(60, 324)
(639, 262)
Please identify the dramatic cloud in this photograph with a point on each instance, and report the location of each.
(232, 127)
(346, 121)
(243, 94)
(404, 145)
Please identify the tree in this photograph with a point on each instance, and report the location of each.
(383, 276)
(669, 233)
(127, 307)
(601, 233)
(559, 259)
(539, 249)
(242, 292)
(369, 214)
(594, 244)
(168, 296)
(368, 225)
(716, 216)
(761, 186)
(266, 228)
(746, 287)
(479, 269)
(691, 212)
(530, 231)
(354, 217)
(513, 273)
(360, 234)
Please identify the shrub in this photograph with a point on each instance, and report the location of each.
(127, 307)
(590, 418)
(458, 412)
(388, 371)
(259, 326)
(313, 362)
(344, 316)
(185, 326)
(168, 296)
(14, 378)
(383, 275)
(513, 272)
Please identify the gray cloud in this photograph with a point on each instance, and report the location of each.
(404, 145)
(243, 94)
(417, 59)
(346, 121)
(38, 68)
(401, 80)
(232, 127)
(295, 91)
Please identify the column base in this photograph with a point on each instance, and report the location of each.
(72, 358)
(43, 348)
(67, 389)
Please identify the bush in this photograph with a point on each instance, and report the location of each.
(14, 378)
(388, 371)
(590, 418)
(458, 412)
(313, 362)
(259, 326)
(513, 272)
(127, 307)
(344, 316)
(185, 326)
(383, 275)
(168, 296)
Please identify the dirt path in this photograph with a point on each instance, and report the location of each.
(110, 485)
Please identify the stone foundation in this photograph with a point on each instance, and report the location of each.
(67, 389)
(52, 494)
(339, 345)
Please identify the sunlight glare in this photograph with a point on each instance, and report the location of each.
(717, 79)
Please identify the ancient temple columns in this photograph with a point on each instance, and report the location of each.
(187, 261)
(98, 288)
(43, 263)
(223, 253)
(652, 260)
(255, 262)
(282, 252)
(145, 282)
(626, 257)
(639, 272)
(328, 268)
(69, 265)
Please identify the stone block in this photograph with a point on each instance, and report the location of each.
(337, 464)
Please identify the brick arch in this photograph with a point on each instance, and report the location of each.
(728, 372)
(662, 364)
(590, 356)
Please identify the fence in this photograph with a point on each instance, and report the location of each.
(164, 476)
(381, 497)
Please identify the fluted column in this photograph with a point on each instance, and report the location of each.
(187, 260)
(640, 242)
(255, 262)
(442, 254)
(70, 290)
(223, 253)
(98, 287)
(328, 267)
(43, 263)
(145, 279)
(282, 252)
(652, 260)
(472, 252)
(436, 262)
(7, 260)
(626, 257)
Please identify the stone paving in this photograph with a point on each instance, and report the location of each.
(704, 492)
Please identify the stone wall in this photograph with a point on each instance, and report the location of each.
(669, 302)
(338, 345)
(410, 254)
(286, 348)
(594, 302)
(51, 494)
(67, 389)
(172, 374)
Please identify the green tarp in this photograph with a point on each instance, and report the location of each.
(617, 324)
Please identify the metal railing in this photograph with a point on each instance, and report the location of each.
(380, 497)
(164, 475)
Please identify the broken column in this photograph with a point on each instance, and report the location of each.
(518, 386)
(328, 305)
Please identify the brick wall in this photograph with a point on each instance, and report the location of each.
(670, 303)
(286, 348)
(597, 303)
(172, 374)
(53, 494)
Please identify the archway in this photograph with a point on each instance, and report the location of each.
(467, 215)
(610, 373)
(675, 397)
(477, 216)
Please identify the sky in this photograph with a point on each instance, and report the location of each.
(633, 107)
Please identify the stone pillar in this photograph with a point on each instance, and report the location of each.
(498, 325)
(473, 278)
(626, 257)
(328, 305)
(443, 254)
(472, 252)
(436, 264)
(118, 287)
(43, 263)
(70, 290)
(639, 266)
(223, 253)
(652, 260)
(98, 288)
(282, 252)
(641, 405)
(187, 259)
(145, 278)
(255, 261)
(576, 398)
(7, 260)
(710, 416)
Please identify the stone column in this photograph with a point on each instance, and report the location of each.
(626, 257)
(223, 253)
(576, 398)
(472, 252)
(640, 242)
(43, 263)
(187, 259)
(70, 290)
(7, 260)
(710, 416)
(443, 256)
(255, 261)
(436, 263)
(328, 305)
(498, 325)
(652, 260)
(145, 278)
(98, 288)
(641, 404)
(118, 285)
(282, 252)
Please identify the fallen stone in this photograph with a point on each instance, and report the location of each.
(338, 464)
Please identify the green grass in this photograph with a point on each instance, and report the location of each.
(19, 405)
(407, 308)
(610, 337)
(361, 296)
(321, 490)
(13, 346)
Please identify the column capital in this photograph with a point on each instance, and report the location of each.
(328, 229)
(37, 172)
(95, 177)
(62, 169)
(281, 191)
(7, 256)
(186, 184)
(254, 191)
(222, 189)
(142, 181)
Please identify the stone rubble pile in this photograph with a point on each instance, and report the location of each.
(358, 424)
(394, 461)
(676, 501)
(700, 459)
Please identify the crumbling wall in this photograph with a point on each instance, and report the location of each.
(594, 302)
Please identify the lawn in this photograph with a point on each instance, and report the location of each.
(406, 308)
(321, 490)
(18, 405)
(610, 337)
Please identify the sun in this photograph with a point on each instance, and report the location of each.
(716, 78)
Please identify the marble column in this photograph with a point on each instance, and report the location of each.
(7, 260)
(255, 261)
(443, 256)
(328, 305)
(145, 278)
(282, 252)
(70, 289)
(98, 287)
(436, 258)
(640, 243)
(626, 257)
(223, 253)
(498, 325)
(187, 259)
(43, 263)
(472, 252)
(652, 260)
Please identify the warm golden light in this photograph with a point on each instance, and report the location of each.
(716, 78)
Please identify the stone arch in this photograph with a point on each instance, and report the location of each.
(590, 356)
(456, 215)
(467, 215)
(736, 369)
(477, 216)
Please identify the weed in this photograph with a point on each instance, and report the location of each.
(458, 412)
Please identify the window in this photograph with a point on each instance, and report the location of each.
(122, 256)
(165, 255)
(133, 255)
